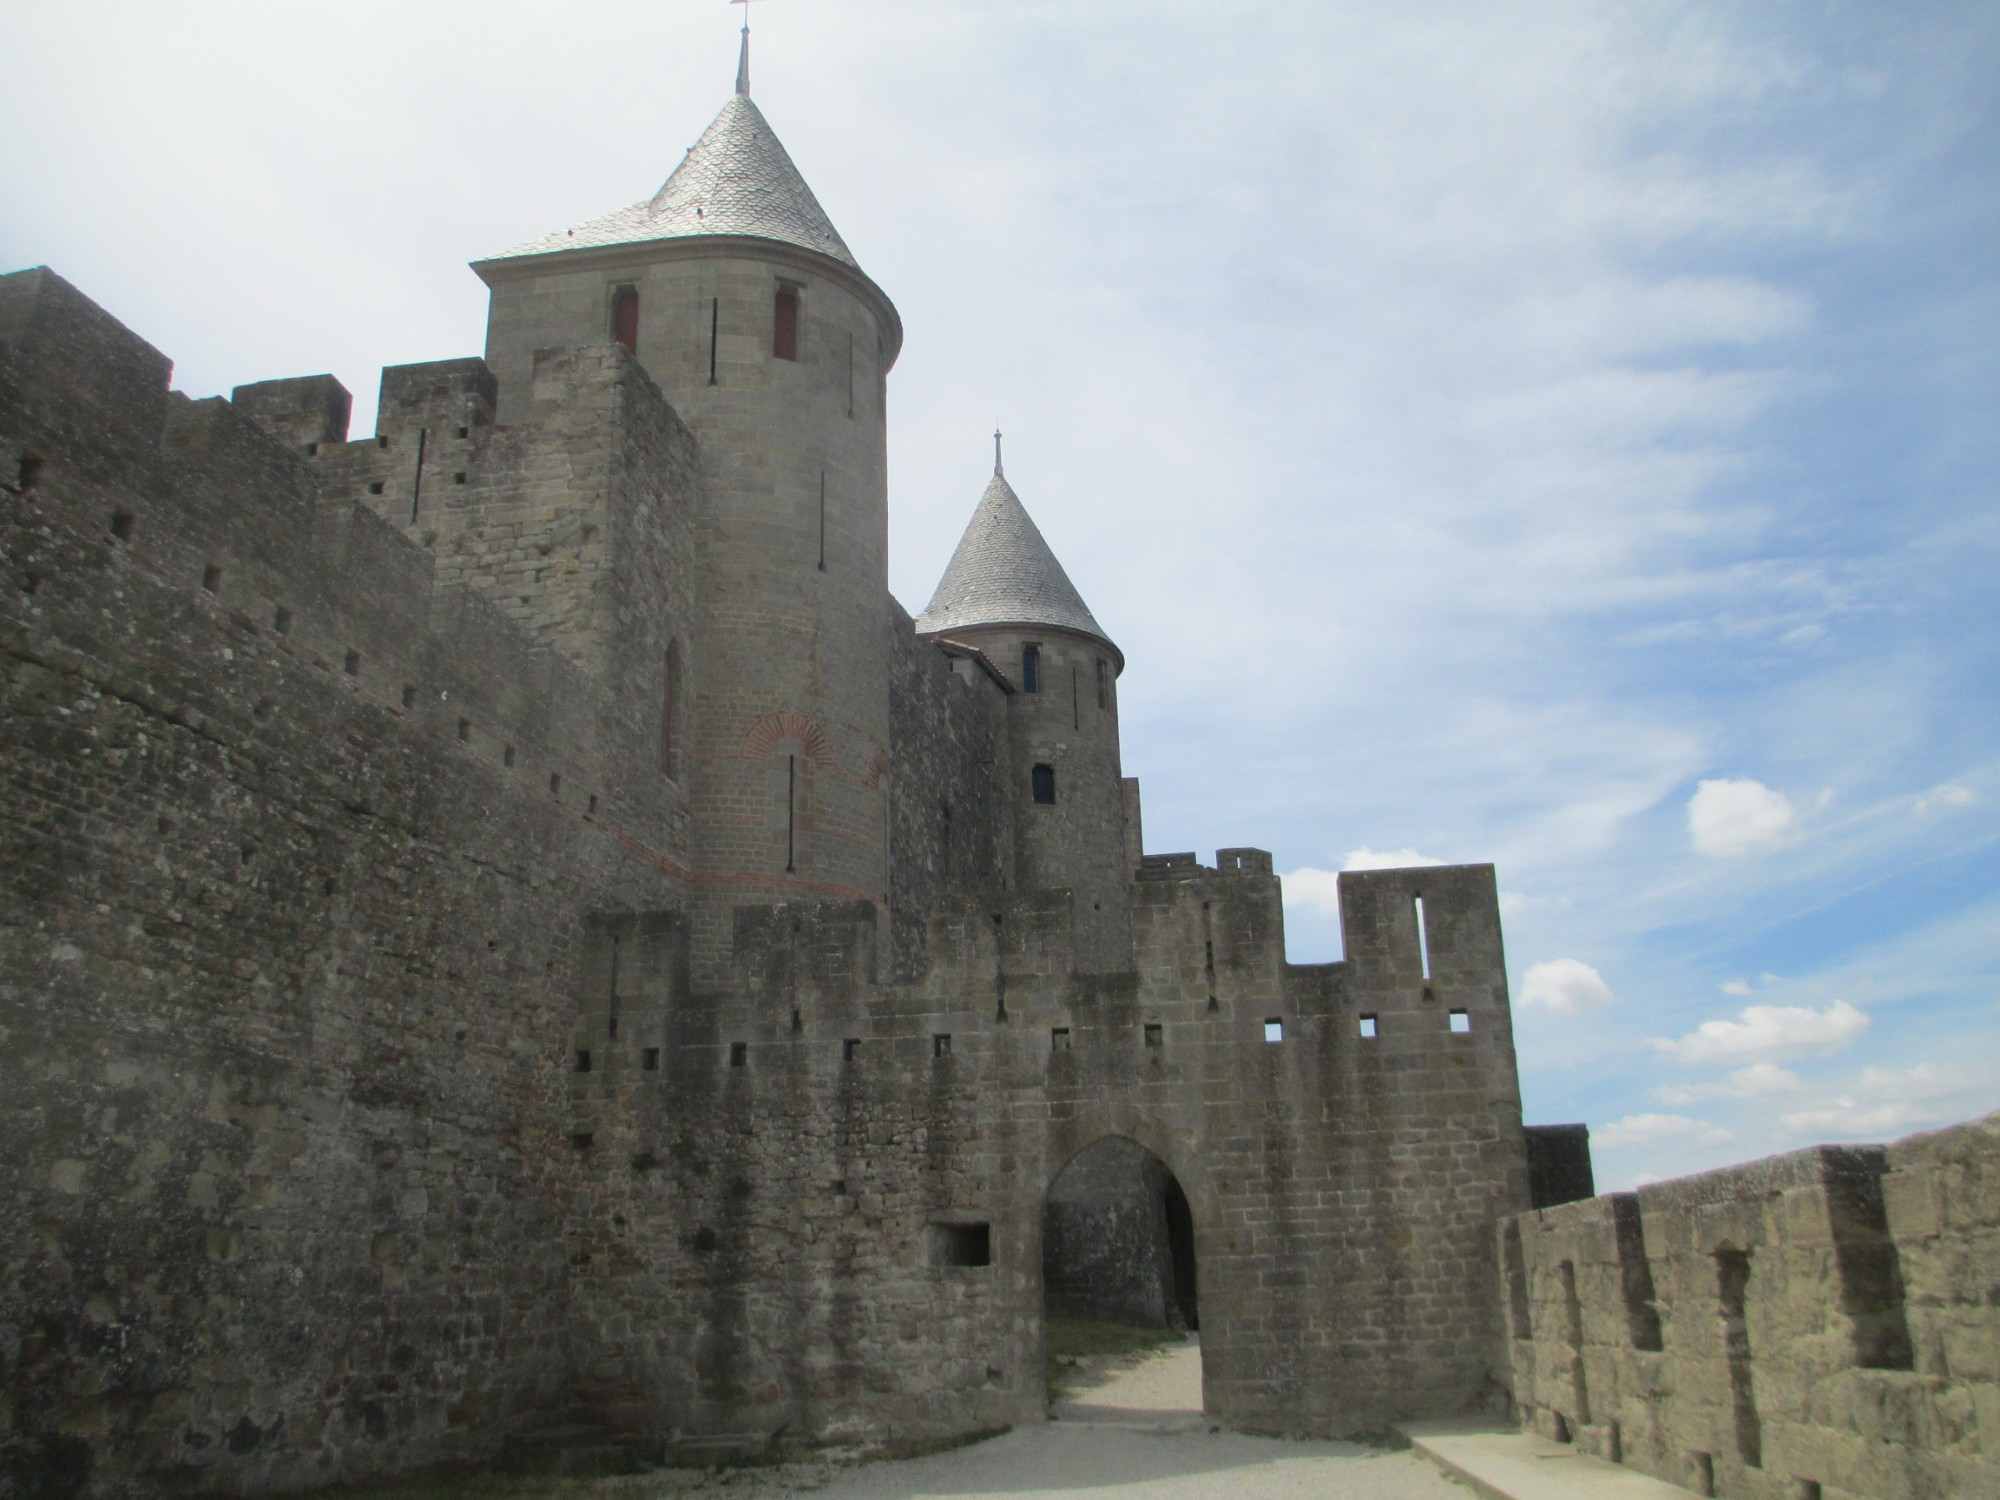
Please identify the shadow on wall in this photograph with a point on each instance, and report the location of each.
(1118, 1240)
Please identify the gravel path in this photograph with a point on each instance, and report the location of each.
(1136, 1431)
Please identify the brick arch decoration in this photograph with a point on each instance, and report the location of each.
(787, 724)
(878, 769)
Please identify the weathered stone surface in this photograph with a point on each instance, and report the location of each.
(1821, 1318)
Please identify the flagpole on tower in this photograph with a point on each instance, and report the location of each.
(743, 55)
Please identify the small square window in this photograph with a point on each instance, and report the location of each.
(650, 1059)
(1153, 1037)
(582, 1060)
(1274, 1030)
(850, 1048)
(282, 621)
(1368, 1027)
(1042, 782)
(465, 729)
(1461, 1022)
(941, 1044)
(1059, 1039)
(352, 664)
(739, 1054)
(961, 1245)
(409, 696)
(211, 578)
(375, 488)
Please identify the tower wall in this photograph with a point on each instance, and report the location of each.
(1077, 842)
(790, 706)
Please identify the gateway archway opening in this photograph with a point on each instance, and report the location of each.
(1118, 1260)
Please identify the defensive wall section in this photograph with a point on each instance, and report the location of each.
(1816, 1326)
(823, 1214)
(295, 842)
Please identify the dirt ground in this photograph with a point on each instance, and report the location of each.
(1128, 1428)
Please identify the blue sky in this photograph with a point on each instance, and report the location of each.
(1554, 434)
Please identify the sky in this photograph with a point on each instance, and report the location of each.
(1559, 435)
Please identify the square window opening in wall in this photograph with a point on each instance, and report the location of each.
(850, 1048)
(649, 1059)
(375, 488)
(1274, 1029)
(941, 1044)
(1153, 1034)
(1059, 1039)
(1042, 781)
(1461, 1022)
(582, 1139)
(351, 665)
(961, 1244)
(122, 523)
(739, 1054)
(211, 578)
(1369, 1029)
(409, 696)
(582, 1060)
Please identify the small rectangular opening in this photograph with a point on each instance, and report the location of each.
(459, 477)
(1423, 939)
(465, 729)
(31, 470)
(591, 809)
(1704, 1475)
(785, 324)
(649, 1060)
(1806, 1489)
(375, 488)
(1274, 1029)
(1461, 1022)
(281, 621)
(507, 756)
(211, 578)
(582, 1139)
(1153, 1034)
(850, 1048)
(465, 432)
(941, 1044)
(961, 1245)
(583, 1059)
(409, 696)
(122, 522)
(1059, 1039)
(1042, 780)
(1368, 1028)
(739, 1054)
(555, 784)
(351, 665)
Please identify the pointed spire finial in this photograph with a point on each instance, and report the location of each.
(996, 453)
(743, 53)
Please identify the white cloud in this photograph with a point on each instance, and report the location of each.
(1735, 986)
(1365, 858)
(1948, 795)
(1894, 1101)
(1736, 815)
(1652, 1130)
(1317, 889)
(1768, 1033)
(1564, 987)
(1758, 1081)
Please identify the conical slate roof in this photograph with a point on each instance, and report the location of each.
(1003, 573)
(737, 179)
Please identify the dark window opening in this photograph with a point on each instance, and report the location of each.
(785, 325)
(798, 1021)
(1704, 1474)
(1043, 781)
(961, 1245)
(282, 621)
(1635, 1274)
(1153, 1034)
(1103, 683)
(211, 578)
(582, 1139)
(1059, 1039)
(507, 756)
(375, 488)
(459, 477)
(465, 432)
(352, 664)
(649, 1059)
(122, 523)
(583, 1060)
(312, 450)
(31, 470)
(1031, 669)
(739, 1054)
(555, 784)
(465, 729)
(591, 810)
(850, 1048)
(941, 1044)
(625, 318)
(382, 442)
(409, 696)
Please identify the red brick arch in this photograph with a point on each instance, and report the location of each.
(787, 724)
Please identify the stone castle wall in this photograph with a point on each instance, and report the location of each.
(1820, 1324)
(295, 847)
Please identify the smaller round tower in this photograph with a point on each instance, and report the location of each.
(1005, 595)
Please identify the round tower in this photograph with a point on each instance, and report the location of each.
(739, 298)
(1005, 594)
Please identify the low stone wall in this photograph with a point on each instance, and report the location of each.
(1815, 1326)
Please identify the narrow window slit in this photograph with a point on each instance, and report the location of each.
(1423, 939)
